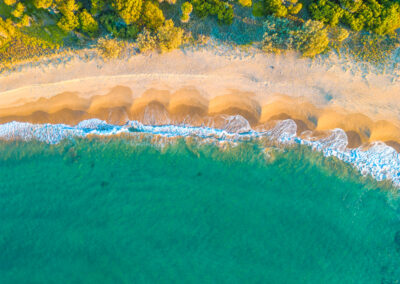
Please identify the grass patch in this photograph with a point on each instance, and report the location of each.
(371, 48)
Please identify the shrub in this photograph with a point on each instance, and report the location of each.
(372, 48)
(96, 6)
(171, 2)
(380, 16)
(7, 31)
(245, 3)
(169, 37)
(25, 21)
(146, 41)
(87, 23)
(10, 2)
(339, 34)
(42, 4)
(221, 9)
(129, 10)
(311, 38)
(110, 48)
(68, 22)
(152, 16)
(275, 7)
(326, 12)
(19, 10)
(186, 9)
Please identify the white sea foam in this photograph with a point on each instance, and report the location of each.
(379, 160)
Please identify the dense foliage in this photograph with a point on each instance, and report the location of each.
(221, 9)
(41, 26)
(379, 16)
(310, 38)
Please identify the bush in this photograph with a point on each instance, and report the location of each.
(221, 9)
(339, 34)
(10, 2)
(186, 9)
(380, 16)
(152, 16)
(146, 41)
(87, 23)
(169, 37)
(245, 3)
(7, 31)
(110, 48)
(42, 4)
(96, 6)
(117, 28)
(129, 10)
(311, 38)
(275, 7)
(326, 12)
(68, 22)
(19, 10)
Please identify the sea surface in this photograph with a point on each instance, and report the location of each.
(137, 210)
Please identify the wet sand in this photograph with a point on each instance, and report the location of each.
(197, 87)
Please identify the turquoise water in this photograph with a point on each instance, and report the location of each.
(124, 211)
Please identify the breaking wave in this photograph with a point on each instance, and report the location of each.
(379, 160)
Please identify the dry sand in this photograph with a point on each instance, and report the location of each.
(193, 86)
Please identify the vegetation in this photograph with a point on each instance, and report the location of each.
(167, 37)
(379, 16)
(50, 26)
(110, 48)
(186, 9)
(310, 38)
(221, 9)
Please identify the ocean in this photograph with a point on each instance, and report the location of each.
(119, 209)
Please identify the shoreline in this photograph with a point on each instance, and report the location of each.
(197, 85)
(379, 161)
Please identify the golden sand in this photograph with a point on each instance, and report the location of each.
(156, 106)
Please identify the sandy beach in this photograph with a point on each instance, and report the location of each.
(199, 86)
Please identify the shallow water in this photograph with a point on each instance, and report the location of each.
(127, 211)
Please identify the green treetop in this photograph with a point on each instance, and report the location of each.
(42, 4)
(152, 16)
(129, 10)
(87, 23)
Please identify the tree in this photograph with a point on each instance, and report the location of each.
(186, 9)
(110, 48)
(67, 7)
(7, 31)
(10, 2)
(312, 39)
(25, 21)
(87, 23)
(19, 10)
(146, 41)
(129, 10)
(171, 2)
(221, 9)
(97, 6)
(68, 22)
(169, 36)
(276, 8)
(42, 4)
(152, 16)
(245, 3)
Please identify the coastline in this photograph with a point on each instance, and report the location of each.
(326, 106)
(196, 85)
